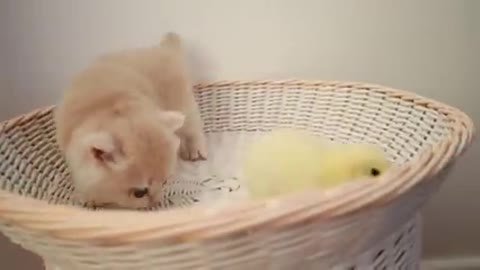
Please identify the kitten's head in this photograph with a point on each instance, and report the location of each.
(127, 161)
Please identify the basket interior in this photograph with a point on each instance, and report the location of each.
(32, 165)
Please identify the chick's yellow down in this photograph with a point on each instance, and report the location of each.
(285, 160)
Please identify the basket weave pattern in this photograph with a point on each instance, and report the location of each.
(373, 224)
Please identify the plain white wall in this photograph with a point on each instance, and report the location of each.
(430, 47)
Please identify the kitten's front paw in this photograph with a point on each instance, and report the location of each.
(193, 148)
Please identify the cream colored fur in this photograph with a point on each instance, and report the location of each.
(123, 121)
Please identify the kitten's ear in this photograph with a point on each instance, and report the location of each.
(172, 119)
(102, 147)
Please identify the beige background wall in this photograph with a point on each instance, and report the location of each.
(430, 47)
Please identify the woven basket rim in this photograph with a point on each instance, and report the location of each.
(118, 227)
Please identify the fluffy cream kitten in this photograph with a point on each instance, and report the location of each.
(123, 121)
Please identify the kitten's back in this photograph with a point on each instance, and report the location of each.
(160, 63)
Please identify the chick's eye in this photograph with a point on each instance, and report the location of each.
(375, 172)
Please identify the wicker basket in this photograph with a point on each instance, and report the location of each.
(376, 225)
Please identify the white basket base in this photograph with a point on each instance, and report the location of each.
(400, 251)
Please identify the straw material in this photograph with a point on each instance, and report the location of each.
(368, 224)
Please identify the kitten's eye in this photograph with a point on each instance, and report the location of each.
(139, 192)
(375, 172)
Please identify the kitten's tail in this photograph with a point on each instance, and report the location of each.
(172, 41)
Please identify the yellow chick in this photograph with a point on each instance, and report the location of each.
(287, 160)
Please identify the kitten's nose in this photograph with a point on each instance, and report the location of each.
(140, 192)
